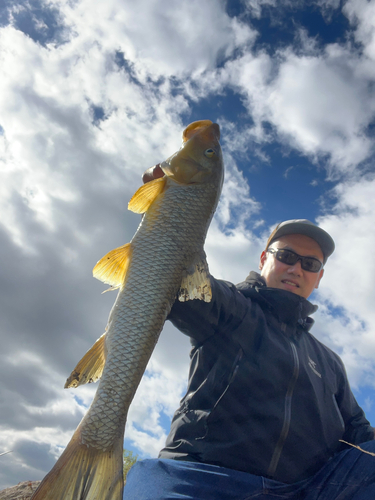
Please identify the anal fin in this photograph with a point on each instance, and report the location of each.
(90, 368)
(196, 283)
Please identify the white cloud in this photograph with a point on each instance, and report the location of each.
(182, 37)
(317, 100)
(320, 104)
(51, 152)
(257, 7)
(361, 13)
(351, 225)
(346, 317)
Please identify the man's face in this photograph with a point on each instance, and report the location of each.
(292, 278)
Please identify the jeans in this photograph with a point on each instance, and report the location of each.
(349, 475)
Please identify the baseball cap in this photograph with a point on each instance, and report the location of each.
(307, 228)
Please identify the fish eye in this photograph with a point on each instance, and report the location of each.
(209, 153)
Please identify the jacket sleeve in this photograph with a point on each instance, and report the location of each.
(357, 427)
(200, 320)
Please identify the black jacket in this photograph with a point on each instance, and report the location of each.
(264, 396)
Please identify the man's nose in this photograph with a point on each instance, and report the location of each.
(296, 268)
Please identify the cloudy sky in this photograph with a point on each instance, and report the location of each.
(92, 93)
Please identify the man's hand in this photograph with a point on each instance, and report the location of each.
(152, 173)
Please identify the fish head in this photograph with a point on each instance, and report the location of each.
(200, 159)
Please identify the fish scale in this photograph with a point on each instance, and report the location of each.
(154, 294)
(167, 248)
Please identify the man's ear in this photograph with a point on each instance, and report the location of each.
(262, 260)
(319, 278)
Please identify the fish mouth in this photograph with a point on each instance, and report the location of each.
(183, 162)
(184, 171)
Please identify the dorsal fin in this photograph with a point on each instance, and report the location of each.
(112, 268)
(146, 194)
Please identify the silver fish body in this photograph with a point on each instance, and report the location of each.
(159, 259)
(165, 255)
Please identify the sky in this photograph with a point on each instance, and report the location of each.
(92, 94)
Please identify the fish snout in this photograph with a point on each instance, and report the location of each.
(206, 128)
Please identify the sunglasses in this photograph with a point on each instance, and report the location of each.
(290, 258)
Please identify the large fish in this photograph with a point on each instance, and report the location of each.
(164, 260)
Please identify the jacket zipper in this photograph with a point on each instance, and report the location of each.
(287, 415)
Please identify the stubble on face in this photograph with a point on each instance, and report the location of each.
(292, 278)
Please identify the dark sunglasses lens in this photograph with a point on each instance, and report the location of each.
(290, 258)
(311, 265)
(286, 257)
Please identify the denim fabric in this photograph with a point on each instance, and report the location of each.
(350, 475)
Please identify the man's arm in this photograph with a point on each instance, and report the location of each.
(199, 320)
(357, 427)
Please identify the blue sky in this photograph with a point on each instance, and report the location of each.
(93, 93)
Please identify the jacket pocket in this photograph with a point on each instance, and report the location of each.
(209, 393)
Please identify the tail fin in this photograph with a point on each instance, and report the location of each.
(84, 473)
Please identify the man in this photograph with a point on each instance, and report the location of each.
(267, 405)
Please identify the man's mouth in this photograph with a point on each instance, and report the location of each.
(291, 283)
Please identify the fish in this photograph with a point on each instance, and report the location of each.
(165, 261)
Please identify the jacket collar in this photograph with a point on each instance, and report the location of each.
(289, 307)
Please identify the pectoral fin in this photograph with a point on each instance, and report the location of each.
(196, 283)
(146, 194)
(112, 268)
(90, 368)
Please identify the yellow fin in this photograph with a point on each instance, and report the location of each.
(196, 283)
(84, 472)
(90, 368)
(112, 268)
(146, 195)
